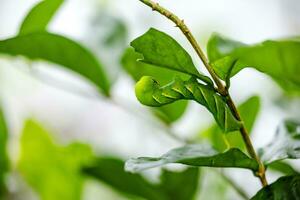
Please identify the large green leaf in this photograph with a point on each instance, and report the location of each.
(168, 113)
(150, 93)
(59, 50)
(278, 59)
(4, 162)
(248, 111)
(53, 171)
(159, 49)
(111, 172)
(285, 145)
(39, 16)
(194, 155)
(172, 183)
(285, 188)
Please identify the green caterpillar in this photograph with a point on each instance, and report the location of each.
(150, 93)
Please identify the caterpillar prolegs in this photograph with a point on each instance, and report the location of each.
(150, 93)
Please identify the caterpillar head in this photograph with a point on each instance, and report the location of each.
(144, 90)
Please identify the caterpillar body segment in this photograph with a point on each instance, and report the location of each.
(150, 93)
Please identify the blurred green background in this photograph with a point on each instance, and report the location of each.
(62, 139)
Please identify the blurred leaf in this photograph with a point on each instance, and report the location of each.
(278, 59)
(59, 50)
(107, 30)
(173, 183)
(107, 35)
(168, 113)
(194, 155)
(159, 49)
(118, 32)
(52, 171)
(283, 168)
(248, 111)
(39, 16)
(285, 188)
(4, 162)
(218, 47)
(111, 171)
(171, 112)
(214, 187)
(285, 144)
(149, 92)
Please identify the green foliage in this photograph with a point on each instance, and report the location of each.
(118, 32)
(53, 171)
(172, 183)
(56, 172)
(60, 50)
(39, 16)
(285, 188)
(168, 113)
(218, 47)
(159, 49)
(195, 155)
(282, 167)
(285, 145)
(111, 171)
(214, 186)
(248, 111)
(278, 59)
(171, 112)
(150, 93)
(4, 162)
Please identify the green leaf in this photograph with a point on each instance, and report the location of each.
(111, 171)
(4, 161)
(39, 16)
(194, 155)
(285, 144)
(159, 49)
(53, 171)
(285, 188)
(218, 47)
(172, 183)
(215, 186)
(60, 50)
(283, 168)
(171, 112)
(117, 33)
(278, 59)
(150, 93)
(168, 113)
(248, 111)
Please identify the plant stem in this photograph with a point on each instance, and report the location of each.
(186, 31)
(221, 88)
(261, 173)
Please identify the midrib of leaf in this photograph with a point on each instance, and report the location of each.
(174, 56)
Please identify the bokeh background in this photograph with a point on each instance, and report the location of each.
(72, 110)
